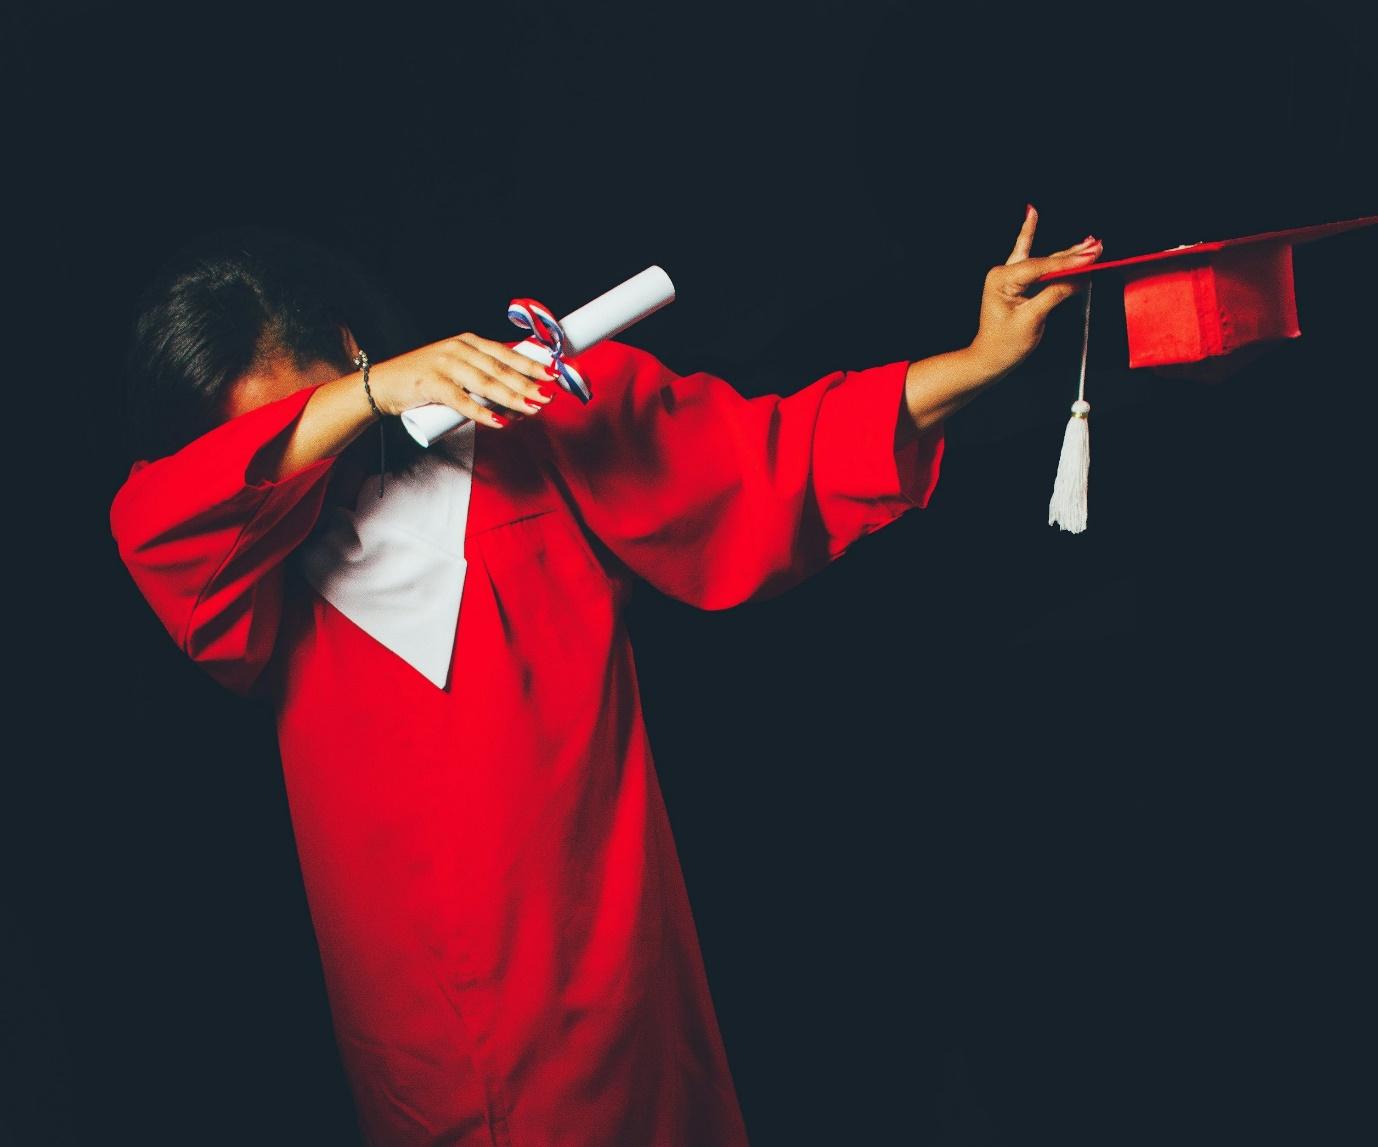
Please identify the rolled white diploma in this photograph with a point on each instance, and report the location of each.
(610, 313)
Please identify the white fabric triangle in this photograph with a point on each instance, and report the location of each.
(394, 565)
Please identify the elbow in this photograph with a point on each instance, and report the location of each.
(228, 665)
(760, 591)
(773, 551)
(232, 645)
(739, 583)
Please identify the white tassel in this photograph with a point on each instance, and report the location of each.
(1067, 508)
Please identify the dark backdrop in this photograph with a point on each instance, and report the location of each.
(994, 834)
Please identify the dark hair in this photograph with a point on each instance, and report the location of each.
(228, 300)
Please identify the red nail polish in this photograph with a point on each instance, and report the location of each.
(500, 420)
(545, 393)
(550, 370)
(533, 406)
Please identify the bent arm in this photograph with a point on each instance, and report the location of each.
(203, 534)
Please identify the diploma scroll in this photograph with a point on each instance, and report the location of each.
(609, 314)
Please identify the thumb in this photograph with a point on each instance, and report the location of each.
(1041, 304)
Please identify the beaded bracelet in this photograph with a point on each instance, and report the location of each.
(361, 361)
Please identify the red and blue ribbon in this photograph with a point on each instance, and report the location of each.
(545, 329)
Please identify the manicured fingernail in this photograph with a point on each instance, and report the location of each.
(1028, 210)
(533, 405)
(500, 420)
(550, 370)
(545, 393)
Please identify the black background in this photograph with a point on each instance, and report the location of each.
(994, 834)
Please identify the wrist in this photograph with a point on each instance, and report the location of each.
(362, 364)
(939, 386)
(987, 362)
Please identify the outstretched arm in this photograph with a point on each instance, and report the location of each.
(716, 499)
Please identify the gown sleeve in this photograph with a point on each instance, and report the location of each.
(717, 499)
(205, 541)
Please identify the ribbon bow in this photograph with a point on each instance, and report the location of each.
(545, 329)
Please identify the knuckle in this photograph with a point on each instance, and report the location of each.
(472, 376)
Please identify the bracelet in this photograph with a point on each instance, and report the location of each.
(361, 361)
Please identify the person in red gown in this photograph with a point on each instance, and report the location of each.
(506, 939)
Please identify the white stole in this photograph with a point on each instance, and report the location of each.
(394, 565)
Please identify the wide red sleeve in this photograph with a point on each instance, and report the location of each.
(205, 543)
(715, 498)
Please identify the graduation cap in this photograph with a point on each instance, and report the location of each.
(1198, 311)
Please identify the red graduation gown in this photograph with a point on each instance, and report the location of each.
(503, 926)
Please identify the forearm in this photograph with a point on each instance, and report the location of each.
(335, 415)
(938, 387)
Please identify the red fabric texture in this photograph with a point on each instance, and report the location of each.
(505, 934)
(1208, 307)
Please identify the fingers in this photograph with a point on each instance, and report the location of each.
(439, 388)
(487, 381)
(1027, 271)
(1041, 304)
(506, 355)
(1024, 243)
(1085, 245)
(517, 375)
(497, 388)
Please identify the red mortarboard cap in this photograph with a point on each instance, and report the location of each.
(1200, 311)
(1208, 300)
